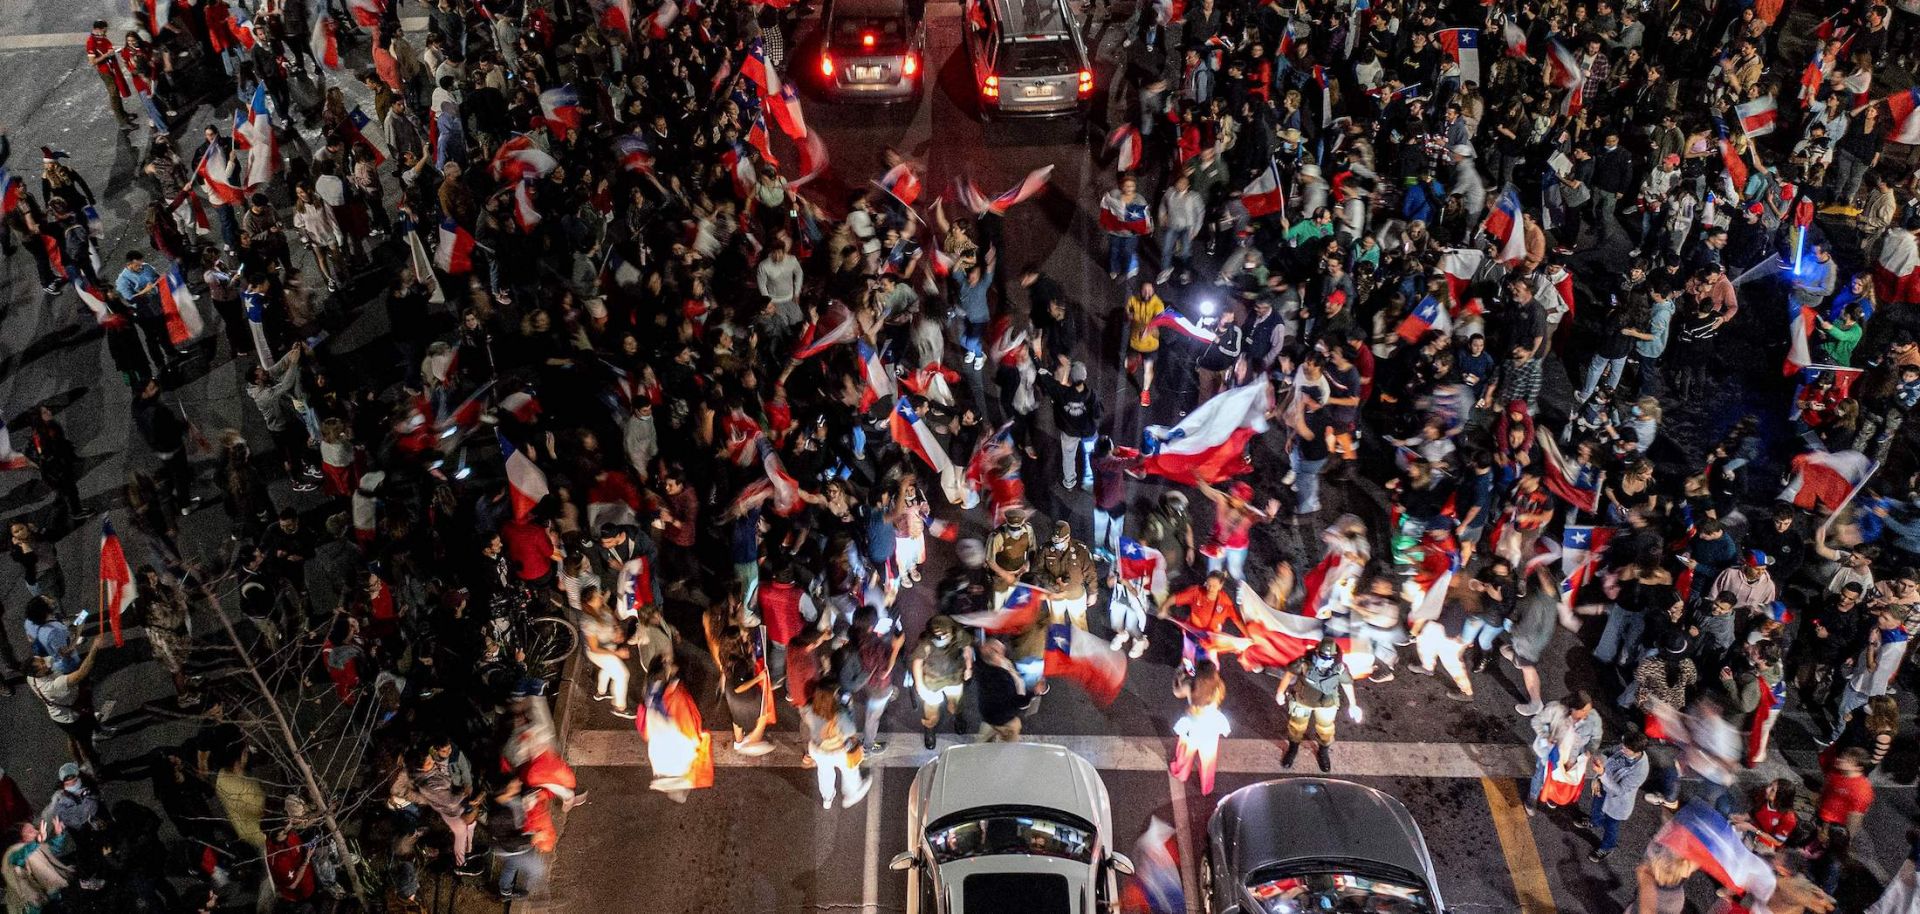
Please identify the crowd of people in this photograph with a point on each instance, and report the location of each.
(1498, 282)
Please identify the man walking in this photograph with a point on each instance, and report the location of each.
(1620, 775)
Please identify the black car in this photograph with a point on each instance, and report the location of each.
(1301, 845)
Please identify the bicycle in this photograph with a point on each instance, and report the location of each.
(527, 644)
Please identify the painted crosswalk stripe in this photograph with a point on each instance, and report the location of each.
(1510, 822)
(623, 748)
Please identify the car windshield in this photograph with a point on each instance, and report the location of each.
(1028, 893)
(1050, 57)
(1009, 834)
(1341, 893)
(853, 32)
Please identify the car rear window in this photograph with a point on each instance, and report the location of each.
(1054, 57)
(1027, 893)
(849, 32)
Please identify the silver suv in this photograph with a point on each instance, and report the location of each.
(1028, 58)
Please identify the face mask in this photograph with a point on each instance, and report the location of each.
(942, 640)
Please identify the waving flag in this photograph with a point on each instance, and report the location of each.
(1730, 156)
(785, 108)
(1140, 562)
(89, 296)
(1516, 40)
(633, 153)
(518, 159)
(1022, 608)
(913, 436)
(813, 162)
(1319, 74)
(1276, 638)
(1077, 656)
(877, 382)
(240, 26)
(1462, 47)
(1905, 110)
(756, 68)
(522, 405)
(216, 172)
(526, 483)
(1173, 319)
(1460, 266)
(419, 262)
(662, 19)
(1757, 117)
(117, 586)
(835, 327)
(1425, 317)
(901, 182)
(1122, 218)
(561, 106)
(1563, 66)
(1505, 226)
(263, 142)
(367, 12)
(10, 191)
(1700, 834)
(454, 252)
(326, 42)
(1896, 271)
(356, 130)
(1563, 478)
(1799, 341)
(1028, 186)
(1581, 544)
(933, 381)
(1823, 479)
(1263, 197)
(1124, 143)
(524, 212)
(1210, 444)
(1156, 875)
(159, 13)
(178, 304)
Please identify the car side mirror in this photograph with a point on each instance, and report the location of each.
(1121, 864)
(902, 862)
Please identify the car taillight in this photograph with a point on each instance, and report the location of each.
(866, 40)
(992, 87)
(1086, 82)
(826, 64)
(912, 64)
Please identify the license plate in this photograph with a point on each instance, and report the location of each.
(1041, 91)
(866, 74)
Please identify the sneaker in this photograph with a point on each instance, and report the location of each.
(879, 746)
(1527, 710)
(1670, 804)
(1422, 670)
(1287, 480)
(1070, 484)
(1325, 755)
(1286, 758)
(927, 738)
(1459, 696)
(826, 803)
(1586, 825)
(1113, 277)
(1139, 648)
(1653, 799)
(301, 486)
(623, 713)
(1119, 641)
(1599, 856)
(754, 749)
(313, 472)
(52, 288)
(1381, 677)
(604, 696)
(511, 894)
(1531, 811)
(468, 868)
(855, 795)
(1146, 398)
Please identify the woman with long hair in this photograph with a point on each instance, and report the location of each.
(1201, 728)
(606, 647)
(321, 232)
(747, 688)
(833, 743)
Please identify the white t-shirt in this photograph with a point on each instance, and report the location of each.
(61, 695)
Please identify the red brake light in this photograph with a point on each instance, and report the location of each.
(826, 64)
(912, 64)
(992, 87)
(866, 40)
(1086, 82)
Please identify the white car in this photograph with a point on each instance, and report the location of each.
(1010, 828)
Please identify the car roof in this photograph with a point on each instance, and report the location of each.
(1032, 17)
(1012, 774)
(1300, 819)
(870, 8)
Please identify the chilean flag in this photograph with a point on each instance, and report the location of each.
(1757, 117)
(1022, 608)
(526, 483)
(1210, 444)
(216, 171)
(1824, 479)
(617, 16)
(1138, 561)
(1729, 156)
(1125, 144)
(518, 159)
(1426, 316)
(1028, 186)
(326, 43)
(1700, 834)
(240, 26)
(836, 327)
(879, 383)
(1125, 218)
(10, 190)
(1262, 197)
(1504, 225)
(1276, 638)
(786, 112)
(159, 13)
(1459, 266)
(901, 182)
(1172, 319)
(524, 211)
(1580, 544)
(356, 129)
(933, 381)
(1563, 480)
(1563, 66)
(177, 302)
(1075, 655)
(453, 254)
(1516, 40)
(1799, 341)
(914, 436)
(1463, 48)
(633, 153)
(117, 587)
(756, 68)
(521, 405)
(1156, 874)
(661, 19)
(263, 144)
(1905, 109)
(560, 106)
(367, 12)
(89, 295)
(1896, 272)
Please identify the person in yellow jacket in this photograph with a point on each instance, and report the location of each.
(1143, 337)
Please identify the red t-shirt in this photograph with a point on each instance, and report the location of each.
(1845, 796)
(529, 549)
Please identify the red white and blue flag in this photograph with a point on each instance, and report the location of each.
(1563, 66)
(1173, 319)
(525, 214)
(326, 42)
(1028, 186)
(518, 159)
(1563, 478)
(835, 327)
(785, 107)
(1504, 226)
(1757, 117)
(1124, 142)
(522, 405)
(1424, 318)
(1022, 608)
(526, 482)
(1824, 479)
(1800, 332)
(217, 173)
(1896, 271)
(89, 296)
(662, 19)
(1462, 46)
(1077, 656)
(453, 254)
(902, 183)
(356, 129)
(1460, 266)
(1263, 196)
(1123, 218)
(1156, 873)
(10, 191)
(367, 12)
(560, 107)
(263, 143)
(1138, 561)
(241, 26)
(182, 311)
(117, 587)
(1515, 39)
(756, 68)
(913, 436)
(1905, 110)
(617, 16)
(633, 153)
(1210, 444)
(877, 382)
(1704, 836)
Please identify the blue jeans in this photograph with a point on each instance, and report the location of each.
(1176, 248)
(1602, 371)
(1123, 254)
(1621, 638)
(528, 866)
(972, 335)
(1482, 632)
(1107, 527)
(1609, 827)
(1383, 643)
(1306, 481)
(1539, 781)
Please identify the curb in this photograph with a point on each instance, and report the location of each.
(563, 727)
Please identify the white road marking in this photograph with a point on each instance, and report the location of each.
(623, 748)
(870, 874)
(1182, 832)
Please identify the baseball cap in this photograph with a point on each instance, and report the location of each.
(68, 772)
